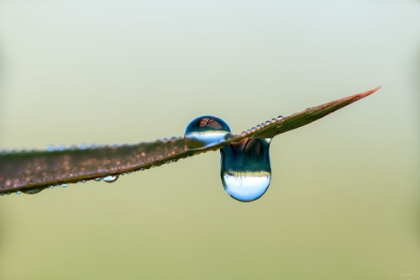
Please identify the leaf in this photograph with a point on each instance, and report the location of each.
(33, 171)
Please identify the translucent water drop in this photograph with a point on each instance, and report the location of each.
(110, 178)
(206, 131)
(61, 147)
(50, 148)
(32, 191)
(64, 185)
(18, 192)
(98, 179)
(83, 146)
(280, 117)
(245, 169)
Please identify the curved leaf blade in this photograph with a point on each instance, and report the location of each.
(36, 170)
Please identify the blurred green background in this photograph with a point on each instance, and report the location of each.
(343, 202)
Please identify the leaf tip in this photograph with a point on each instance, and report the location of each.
(369, 92)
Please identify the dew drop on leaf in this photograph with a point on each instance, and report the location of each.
(246, 169)
(32, 191)
(110, 178)
(206, 131)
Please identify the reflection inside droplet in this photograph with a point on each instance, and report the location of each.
(110, 178)
(246, 169)
(206, 131)
(32, 191)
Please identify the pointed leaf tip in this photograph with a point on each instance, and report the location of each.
(369, 92)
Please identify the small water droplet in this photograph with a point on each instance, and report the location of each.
(206, 131)
(253, 129)
(64, 185)
(61, 147)
(98, 179)
(273, 120)
(141, 169)
(110, 178)
(243, 134)
(50, 148)
(83, 146)
(246, 169)
(51, 186)
(259, 126)
(280, 117)
(32, 191)
(18, 192)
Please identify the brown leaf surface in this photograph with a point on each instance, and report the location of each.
(31, 172)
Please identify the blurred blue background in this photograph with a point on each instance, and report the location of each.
(344, 199)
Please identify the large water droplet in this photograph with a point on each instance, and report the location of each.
(246, 169)
(206, 131)
(110, 178)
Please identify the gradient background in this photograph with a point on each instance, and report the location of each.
(344, 199)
